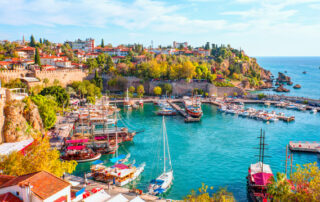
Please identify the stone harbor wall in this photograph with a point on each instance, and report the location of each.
(229, 91)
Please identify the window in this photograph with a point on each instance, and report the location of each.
(17, 193)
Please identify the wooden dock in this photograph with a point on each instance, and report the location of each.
(313, 147)
(182, 112)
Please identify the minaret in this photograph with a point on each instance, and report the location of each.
(23, 39)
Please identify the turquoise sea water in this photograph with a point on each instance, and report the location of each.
(218, 150)
(295, 66)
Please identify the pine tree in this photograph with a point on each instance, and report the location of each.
(37, 58)
(32, 41)
(102, 43)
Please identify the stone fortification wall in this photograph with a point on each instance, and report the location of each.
(229, 91)
(180, 88)
(64, 76)
(7, 75)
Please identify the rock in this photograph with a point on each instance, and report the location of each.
(281, 89)
(297, 86)
(21, 120)
(245, 84)
(282, 78)
(266, 85)
(304, 72)
(290, 83)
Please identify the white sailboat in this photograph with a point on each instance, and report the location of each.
(126, 100)
(163, 183)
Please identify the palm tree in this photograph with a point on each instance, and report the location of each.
(279, 188)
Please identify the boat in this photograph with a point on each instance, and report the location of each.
(166, 110)
(259, 175)
(121, 173)
(314, 110)
(126, 102)
(193, 109)
(162, 184)
(141, 102)
(80, 154)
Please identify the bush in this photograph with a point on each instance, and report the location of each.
(61, 95)
(261, 96)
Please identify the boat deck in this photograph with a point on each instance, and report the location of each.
(313, 147)
(188, 119)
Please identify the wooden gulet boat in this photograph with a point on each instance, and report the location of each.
(259, 175)
(120, 173)
(162, 184)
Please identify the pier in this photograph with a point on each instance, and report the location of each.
(183, 113)
(313, 147)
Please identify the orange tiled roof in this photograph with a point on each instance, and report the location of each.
(44, 184)
(9, 197)
(5, 178)
(26, 49)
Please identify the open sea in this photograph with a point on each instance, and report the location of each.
(218, 150)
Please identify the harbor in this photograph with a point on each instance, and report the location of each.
(212, 119)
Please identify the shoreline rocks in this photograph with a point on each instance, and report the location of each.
(283, 79)
(281, 88)
(297, 86)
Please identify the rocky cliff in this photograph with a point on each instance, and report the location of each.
(21, 120)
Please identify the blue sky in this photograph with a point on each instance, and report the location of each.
(260, 27)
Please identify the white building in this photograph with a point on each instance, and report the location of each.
(36, 187)
(62, 62)
(86, 45)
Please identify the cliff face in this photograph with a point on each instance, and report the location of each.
(20, 121)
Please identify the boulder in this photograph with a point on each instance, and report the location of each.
(281, 88)
(297, 86)
(282, 78)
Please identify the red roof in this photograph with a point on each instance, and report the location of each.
(5, 178)
(44, 184)
(9, 197)
(26, 49)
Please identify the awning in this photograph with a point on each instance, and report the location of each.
(262, 178)
(77, 141)
(61, 199)
(120, 166)
(76, 147)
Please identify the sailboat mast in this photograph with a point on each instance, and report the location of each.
(164, 145)
(116, 135)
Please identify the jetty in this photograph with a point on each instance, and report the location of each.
(182, 112)
(313, 147)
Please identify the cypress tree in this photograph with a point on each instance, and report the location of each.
(41, 40)
(102, 43)
(32, 41)
(37, 58)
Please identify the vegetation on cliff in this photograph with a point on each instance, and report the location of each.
(39, 156)
(60, 94)
(48, 108)
(21, 120)
(304, 185)
(225, 66)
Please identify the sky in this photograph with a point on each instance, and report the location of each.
(260, 27)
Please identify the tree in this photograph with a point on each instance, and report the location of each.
(167, 88)
(56, 82)
(157, 90)
(131, 89)
(39, 156)
(40, 41)
(102, 43)
(97, 80)
(279, 188)
(46, 82)
(140, 90)
(60, 94)
(203, 195)
(47, 106)
(304, 185)
(32, 41)
(37, 58)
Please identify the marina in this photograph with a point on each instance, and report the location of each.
(313, 147)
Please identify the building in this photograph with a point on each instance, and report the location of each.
(37, 186)
(25, 52)
(57, 61)
(180, 44)
(86, 45)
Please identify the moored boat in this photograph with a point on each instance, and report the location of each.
(162, 184)
(259, 175)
